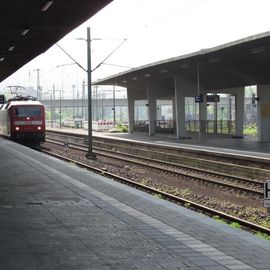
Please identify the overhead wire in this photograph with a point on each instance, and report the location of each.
(166, 17)
(133, 33)
(70, 57)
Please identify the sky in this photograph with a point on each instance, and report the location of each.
(146, 31)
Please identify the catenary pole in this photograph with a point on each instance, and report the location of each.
(90, 154)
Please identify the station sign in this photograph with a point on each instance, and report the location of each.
(2, 99)
(199, 98)
(212, 98)
(267, 194)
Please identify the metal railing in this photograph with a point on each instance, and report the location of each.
(224, 127)
(165, 126)
(141, 125)
(161, 126)
(211, 126)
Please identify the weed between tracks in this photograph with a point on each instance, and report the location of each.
(245, 207)
(256, 215)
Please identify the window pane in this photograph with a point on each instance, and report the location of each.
(27, 111)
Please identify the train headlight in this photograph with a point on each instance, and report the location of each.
(17, 128)
(39, 128)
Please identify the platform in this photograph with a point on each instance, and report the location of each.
(54, 215)
(248, 146)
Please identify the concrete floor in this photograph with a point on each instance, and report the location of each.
(54, 215)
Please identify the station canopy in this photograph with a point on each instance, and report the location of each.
(30, 27)
(240, 63)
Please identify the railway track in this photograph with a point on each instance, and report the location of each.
(242, 184)
(242, 166)
(195, 206)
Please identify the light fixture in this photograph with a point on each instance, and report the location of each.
(11, 48)
(258, 49)
(184, 65)
(124, 81)
(25, 31)
(214, 60)
(2, 59)
(164, 70)
(134, 78)
(147, 75)
(46, 6)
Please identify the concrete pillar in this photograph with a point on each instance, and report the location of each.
(239, 111)
(179, 87)
(174, 114)
(130, 111)
(263, 118)
(203, 115)
(152, 109)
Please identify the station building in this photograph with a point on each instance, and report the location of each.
(194, 85)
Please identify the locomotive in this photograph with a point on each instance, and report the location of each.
(22, 119)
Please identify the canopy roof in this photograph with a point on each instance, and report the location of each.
(239, 63)
(29, 27)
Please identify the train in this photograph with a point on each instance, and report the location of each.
(22, 119)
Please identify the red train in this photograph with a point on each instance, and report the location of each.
(23, 120)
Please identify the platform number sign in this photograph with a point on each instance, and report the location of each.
(267, 194)
(199, 98)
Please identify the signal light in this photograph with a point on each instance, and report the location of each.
(39, 128)
(17, 128)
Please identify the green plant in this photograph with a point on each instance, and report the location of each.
(250, 130)
(218, 218)
(159, 196)
(266, 223)
(235, 225)
(123, 128)
(72, 163)
(187, 205)
(186, 192)
(263, 235)
(120, 128)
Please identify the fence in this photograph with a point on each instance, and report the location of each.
(101, 125)
(211, 126)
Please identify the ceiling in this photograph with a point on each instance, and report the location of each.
(240, 63)
(29, 27)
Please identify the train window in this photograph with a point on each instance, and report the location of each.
(27, 111)
(34, 111)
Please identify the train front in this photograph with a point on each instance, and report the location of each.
(27, 122)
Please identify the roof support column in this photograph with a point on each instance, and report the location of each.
(203, 115)
(152, 109)
(179, 86)
(130, 111)
(263, 104)
(240, 108)
(174, 114)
